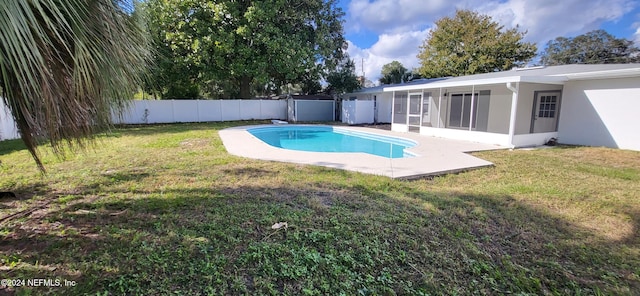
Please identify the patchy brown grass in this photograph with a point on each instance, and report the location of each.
(162, 209)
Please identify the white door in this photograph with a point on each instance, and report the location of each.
(545, 117)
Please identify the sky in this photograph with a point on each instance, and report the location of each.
(381, 31)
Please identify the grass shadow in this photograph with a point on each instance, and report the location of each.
(10, 146)
(248, 172)
(338, 240)
(161, 213)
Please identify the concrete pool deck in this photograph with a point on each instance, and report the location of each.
(435, 156)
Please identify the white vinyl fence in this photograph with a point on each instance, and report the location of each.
(8, 129)
(357, 111)
(170, 111)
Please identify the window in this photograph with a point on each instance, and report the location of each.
(460, 110)
(426, 118)
(548, 106)
(400, 107)
(414, 104)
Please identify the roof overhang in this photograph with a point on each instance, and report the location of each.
(368, 91)
(513, 77)
(620, 73)
(560, 80)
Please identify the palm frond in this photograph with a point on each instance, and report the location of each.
(64, 64)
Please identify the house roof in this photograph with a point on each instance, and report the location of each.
(374, 89)
(548, 75)
(380, 88)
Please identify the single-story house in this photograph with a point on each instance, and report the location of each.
(594, 105)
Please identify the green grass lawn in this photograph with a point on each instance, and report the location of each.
(166, 210)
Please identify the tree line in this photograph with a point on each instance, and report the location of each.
(248, 48)
(240, 49)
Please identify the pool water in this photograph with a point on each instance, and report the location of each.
(330, 139)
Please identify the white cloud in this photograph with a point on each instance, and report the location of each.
(394, 16)
(401, 47)
(399, 44)
(545, 20)
(402, 25)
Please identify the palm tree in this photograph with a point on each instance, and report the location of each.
(65, 65)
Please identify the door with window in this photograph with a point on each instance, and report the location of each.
(546, 111)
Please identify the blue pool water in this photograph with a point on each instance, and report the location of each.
(329, 139)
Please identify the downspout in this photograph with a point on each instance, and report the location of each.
(421, 108)
(514, 109)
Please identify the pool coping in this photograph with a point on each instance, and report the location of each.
(434, 156)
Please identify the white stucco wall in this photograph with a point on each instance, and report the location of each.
(601, 113)
(499, 109)
(465, 135)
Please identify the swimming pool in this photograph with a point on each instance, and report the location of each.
(332, 139)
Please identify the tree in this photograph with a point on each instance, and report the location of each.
(311, 86)
(395, 72)
(595, 47)
(234, 44)
(470, 43)
(65, 64)
(343, 79)
(368, 83)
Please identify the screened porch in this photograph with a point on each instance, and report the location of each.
(506, 114)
